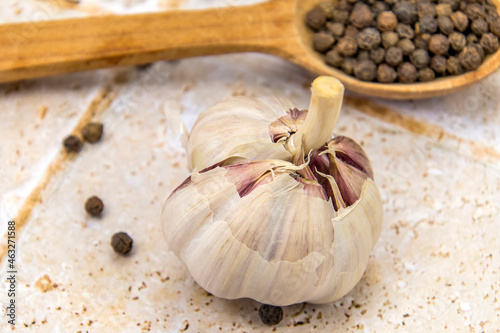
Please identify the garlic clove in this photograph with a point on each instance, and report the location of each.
(236, 127)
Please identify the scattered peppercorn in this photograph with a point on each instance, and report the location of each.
(92, 132)
(426, 9)
(460, 21)
(407, 73)
(457, 41)
(341, 16)
(438, 64)
(422, 41)
(121, 243)
(495, 27)
(386, 74)
(368, 38)
(94, 206)
(393, 56)
(479, 50)
(73, 144)
(470, 58)
(270, 315)
(475, 11)
(327, 7)
(387, 21)
(439, 44)
(322, 41)
(489, 43)
(379, 7)
(426, 74)
(365, 70)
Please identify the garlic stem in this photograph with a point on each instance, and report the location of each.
(326, 100)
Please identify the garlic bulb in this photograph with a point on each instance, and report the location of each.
(279, 212)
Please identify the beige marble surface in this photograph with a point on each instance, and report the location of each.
(437, 162)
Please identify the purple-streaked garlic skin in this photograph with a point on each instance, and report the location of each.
(285, 126)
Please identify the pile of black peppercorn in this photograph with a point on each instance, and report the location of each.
(405, 41)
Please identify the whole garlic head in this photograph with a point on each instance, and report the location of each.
(279, 212)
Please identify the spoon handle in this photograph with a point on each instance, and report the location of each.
(36, 49)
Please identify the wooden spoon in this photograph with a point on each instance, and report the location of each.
(36, 49)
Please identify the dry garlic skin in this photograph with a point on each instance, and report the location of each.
(260, 230)
(237, 127)
(280, 212)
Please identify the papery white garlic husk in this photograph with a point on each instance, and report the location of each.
(296, 226)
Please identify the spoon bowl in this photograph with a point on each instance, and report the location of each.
(30, 50)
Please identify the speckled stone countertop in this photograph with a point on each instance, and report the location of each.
(435, 267)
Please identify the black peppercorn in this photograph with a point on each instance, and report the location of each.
(94, 206)
(489, 43)
(439, 44)
(422, 41)
(365, 70)
(420, 58)
(445, 25)
(328, 8)
(73, 144)
(407, 73)
(475, 11)
(379, 7)
(316, 19)
(426, 74)
(406, 46)
(121, 243)
(438, 64)
(343, 5)
(341, 16)
(389, 39)
(469, 58)
(460, 21)
(428, 25)
(457, 41)
(426, 9)
(92, 132)
(386, 74)
(453, 66)
(393, 56)
(322, 41)
(351, 31)
(405, 31)
(333, 58)
(454, 4)
(479, 50)
(443, 9)
(472, 39)
(405, 12)
(347, 46)
(361, 16)
(495, 27)
(479, 27)
(270, 315)
(377, 55)
(387, 21)
(348, 65)
(336, 29)
(368, 38)
(363, 55)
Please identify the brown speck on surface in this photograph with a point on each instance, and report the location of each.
(44, 284)
(42, 111)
